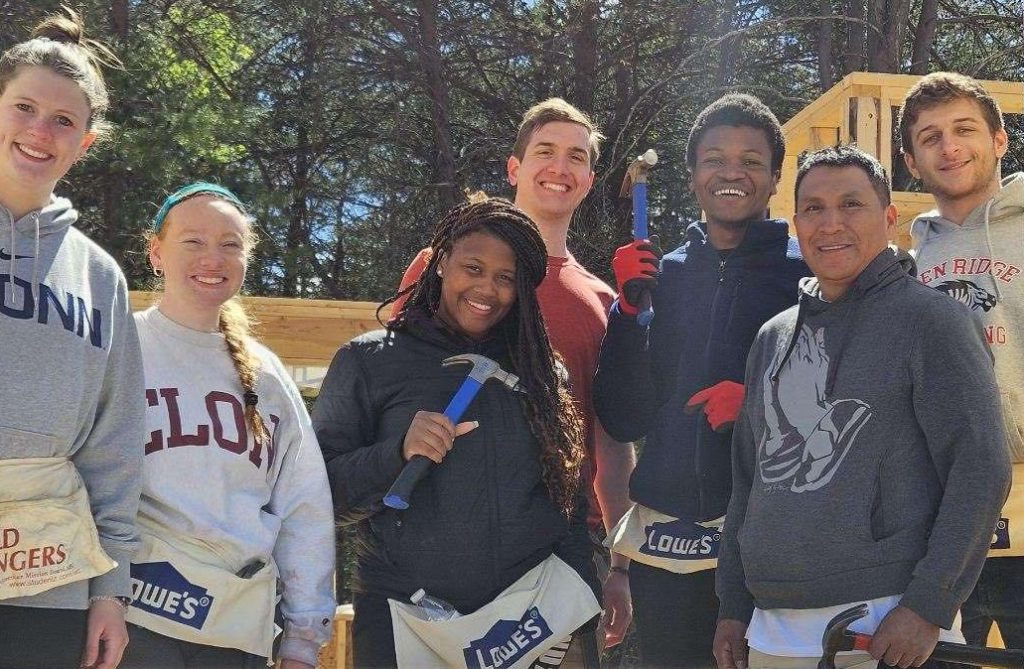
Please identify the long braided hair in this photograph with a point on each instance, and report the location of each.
(549, 408)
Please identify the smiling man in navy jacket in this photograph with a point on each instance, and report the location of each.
(679, 382)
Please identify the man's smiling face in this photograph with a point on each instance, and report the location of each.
(732, 175)
(554, 174)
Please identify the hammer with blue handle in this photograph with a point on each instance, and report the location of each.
(635, 185)
(483, 370)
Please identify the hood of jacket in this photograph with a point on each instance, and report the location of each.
(1005, 206)
(889, 266)
(35, 233)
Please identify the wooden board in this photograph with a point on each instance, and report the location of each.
(300, 332)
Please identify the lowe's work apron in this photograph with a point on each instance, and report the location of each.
(1008, 536)
(541, 609)
(185, 591)
(47, 534)
(662, 541)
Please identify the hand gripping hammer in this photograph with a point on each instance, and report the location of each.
(483, 369)
(837, 638)
(635, 184)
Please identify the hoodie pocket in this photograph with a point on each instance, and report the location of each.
(1014, 435)
(19, 443)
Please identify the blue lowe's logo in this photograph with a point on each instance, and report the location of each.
(507, 642)
(160, 589)
(1001, 535)
(682, 540)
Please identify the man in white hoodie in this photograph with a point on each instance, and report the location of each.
(970, 248)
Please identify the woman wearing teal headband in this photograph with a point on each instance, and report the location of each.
(70, 413)
(234, 492)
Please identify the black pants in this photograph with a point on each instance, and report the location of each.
(149, 650)
(41, 638)
(999, 597)
(675, 616)
(373, 643)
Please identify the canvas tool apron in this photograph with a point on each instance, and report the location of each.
(47, 534)
(661, 541)
(184, 590)
(542, 608)
(1008, 537)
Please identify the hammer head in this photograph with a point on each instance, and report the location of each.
(483, 369)
(636, 173)
(835, 637)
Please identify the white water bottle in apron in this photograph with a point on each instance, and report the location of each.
(433, 608)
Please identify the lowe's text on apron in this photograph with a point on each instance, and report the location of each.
(184, 591)
(542, 608)
(662, 541)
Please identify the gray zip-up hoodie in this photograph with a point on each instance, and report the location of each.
(981, 263)
(71, 381)
(865, 462)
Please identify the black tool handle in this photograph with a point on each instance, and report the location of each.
(981, 656)
(401, 490)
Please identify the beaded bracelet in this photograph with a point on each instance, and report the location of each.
(123, 601)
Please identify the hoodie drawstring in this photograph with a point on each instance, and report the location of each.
(10, 277)
(35, 262)
(988, 240)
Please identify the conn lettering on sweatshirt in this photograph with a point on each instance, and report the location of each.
(221, 407)
(69, 311)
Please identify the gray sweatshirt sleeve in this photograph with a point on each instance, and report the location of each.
(735, 601)
(958, 408)
(304, 551)
(110, 457)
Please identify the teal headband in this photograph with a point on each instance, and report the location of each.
(198, 188)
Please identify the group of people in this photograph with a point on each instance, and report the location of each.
(821, 427)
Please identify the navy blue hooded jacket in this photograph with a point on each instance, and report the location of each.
(708, 307)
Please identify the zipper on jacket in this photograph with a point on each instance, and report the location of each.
(721, 270)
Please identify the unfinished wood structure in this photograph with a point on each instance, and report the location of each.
(862, 109)
(300, 332)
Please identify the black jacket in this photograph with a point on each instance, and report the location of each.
(708, 307)
(476, 522)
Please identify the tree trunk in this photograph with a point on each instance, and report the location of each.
(429, 49)
(855, 32)
(924, 36)
(119, 19)
(584, 52)
(726, 62)
(886, 57)
(825, 57)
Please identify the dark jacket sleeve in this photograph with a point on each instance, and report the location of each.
(958, 408)
(624, 395)
(360, 467)
(735, 600)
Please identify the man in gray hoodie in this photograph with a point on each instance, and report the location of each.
(970, 248)
(866, 468)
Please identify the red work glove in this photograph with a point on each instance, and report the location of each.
(635, 266)
(722, 403)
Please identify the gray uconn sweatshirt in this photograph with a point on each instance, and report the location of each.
(981, 264)
(71, 378)
(865, 462)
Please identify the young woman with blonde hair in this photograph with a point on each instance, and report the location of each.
(235, 497)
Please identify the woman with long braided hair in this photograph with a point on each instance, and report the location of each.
(493, 514)
(234, 493)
